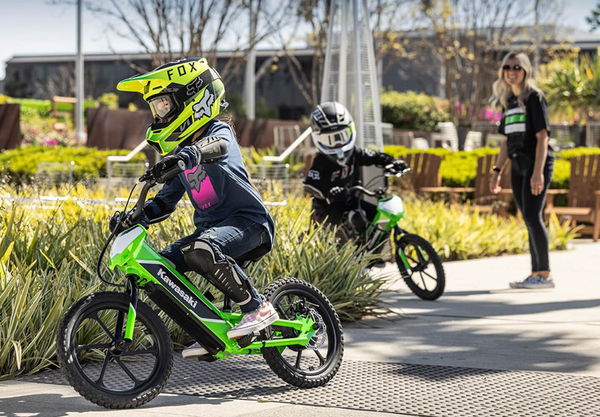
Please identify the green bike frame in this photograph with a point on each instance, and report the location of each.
(390, 210)
(185, 304)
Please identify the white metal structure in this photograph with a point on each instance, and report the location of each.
(54, 173)
(286, 135)
(350, 73)
(79, 93)
(117, 166)
(592, 134)
(290, 149)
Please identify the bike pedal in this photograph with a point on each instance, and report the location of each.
(245, 340)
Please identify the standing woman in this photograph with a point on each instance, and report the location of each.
(525, 124)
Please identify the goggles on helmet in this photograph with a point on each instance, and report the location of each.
(162, 106)
(334, 140)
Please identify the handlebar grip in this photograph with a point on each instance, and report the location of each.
(172, 172)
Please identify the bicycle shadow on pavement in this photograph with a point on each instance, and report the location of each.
(57, 405)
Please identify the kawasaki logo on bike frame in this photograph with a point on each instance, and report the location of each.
(179, 290)
(176, 289)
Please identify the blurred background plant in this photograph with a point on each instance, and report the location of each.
(571, 83)
(415, 111)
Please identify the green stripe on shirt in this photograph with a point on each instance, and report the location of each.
(515, 118)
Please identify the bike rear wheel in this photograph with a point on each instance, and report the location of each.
(423, 271)
(317, 363)
(99, 365)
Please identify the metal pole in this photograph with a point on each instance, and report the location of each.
(79, 79)
(536, 37)
(250, 76)
(343, 56)
(359, 120)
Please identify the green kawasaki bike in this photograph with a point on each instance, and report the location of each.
(116, 351)
(419, 264)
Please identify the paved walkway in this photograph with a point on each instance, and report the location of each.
(481, 323)
(478, 323)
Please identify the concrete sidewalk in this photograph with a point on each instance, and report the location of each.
(477, 323)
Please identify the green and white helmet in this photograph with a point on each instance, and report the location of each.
(183, 96)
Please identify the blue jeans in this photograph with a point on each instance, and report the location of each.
(231, 238)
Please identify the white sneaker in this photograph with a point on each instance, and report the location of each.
(194, 351)
(254, 321)
(533, 282)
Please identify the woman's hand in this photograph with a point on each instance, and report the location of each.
(495, 183)
(537, 183)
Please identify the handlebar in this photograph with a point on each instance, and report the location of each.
(150, 181)
(380, 191)
(364, 190)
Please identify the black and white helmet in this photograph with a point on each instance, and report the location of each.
(333, 131)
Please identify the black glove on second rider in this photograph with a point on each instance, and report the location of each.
(399, 166)
(339, 194)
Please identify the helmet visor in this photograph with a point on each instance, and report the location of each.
(161, 106)
(334, 140)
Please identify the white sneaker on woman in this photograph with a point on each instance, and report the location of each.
(533, 282)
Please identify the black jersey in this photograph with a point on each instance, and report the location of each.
(324, 174)
(521, 124)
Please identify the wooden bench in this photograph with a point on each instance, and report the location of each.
(583, 194)
(55, 100)
(483, 199)
(425, 170)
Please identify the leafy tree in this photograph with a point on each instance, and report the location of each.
(594, 18)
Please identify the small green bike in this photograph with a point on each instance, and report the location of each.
(419, 264)
(116, 351)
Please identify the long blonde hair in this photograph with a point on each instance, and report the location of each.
(502, 90)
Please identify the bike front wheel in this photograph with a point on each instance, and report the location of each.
(420, 266)
(100, 364)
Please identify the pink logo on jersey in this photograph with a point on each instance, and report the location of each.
(203, 192)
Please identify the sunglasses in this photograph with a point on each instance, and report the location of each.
(514, 68)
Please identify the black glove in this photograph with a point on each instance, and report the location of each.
(124, 220)
(114, 225)
(399, 166)
(339, 194)
(165, 165)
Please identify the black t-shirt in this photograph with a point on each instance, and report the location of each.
(521, 125)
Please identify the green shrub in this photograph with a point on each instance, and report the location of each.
(21, 164)
(43, 107)
(413, 111)
(109, 100)
(48, 260)
(459, 169)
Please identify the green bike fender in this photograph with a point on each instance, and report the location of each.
(126, 246)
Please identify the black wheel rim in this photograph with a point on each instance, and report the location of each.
(322, 351)
(102, 357)
(421, 271)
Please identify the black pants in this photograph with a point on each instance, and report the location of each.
(532, 207)
(334, 213)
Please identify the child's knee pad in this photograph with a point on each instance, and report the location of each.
(201, 256)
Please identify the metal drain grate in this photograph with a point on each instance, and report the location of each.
(421, 390)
